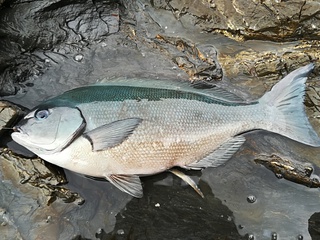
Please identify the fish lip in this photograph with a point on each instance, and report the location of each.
(18, 129)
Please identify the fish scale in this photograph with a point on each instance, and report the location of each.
(156, 139)
(130, 128)
(156, 142)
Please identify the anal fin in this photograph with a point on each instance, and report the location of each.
(220, 155)
(188, 180)
(130, 184)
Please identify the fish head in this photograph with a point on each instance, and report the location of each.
(49, 130)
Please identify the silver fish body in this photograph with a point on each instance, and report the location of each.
(123, 130)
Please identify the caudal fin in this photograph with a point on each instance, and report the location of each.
(285, 101)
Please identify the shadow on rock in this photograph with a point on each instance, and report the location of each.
(173, 212)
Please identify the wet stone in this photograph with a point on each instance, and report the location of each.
(251, 199)
(251, 237)
(144, 47)
(259, 65)
(183, 209)
(8, 114)
(273, 194)
(300, 237)
(241, 19)
(35, 173)
(198, 61)
(120, 232)
(46, 25)
(289, 169)
(78, 57)
(314, 226)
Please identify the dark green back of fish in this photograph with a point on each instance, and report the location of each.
(120, 93)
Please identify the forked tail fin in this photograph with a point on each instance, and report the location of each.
(285, 101)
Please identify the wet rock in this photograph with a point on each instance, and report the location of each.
(35, 173)
(157, 39)
(278, 201)
(57, 26)
(259, 67)
(243, 20)
(271, 62)
(8, 114)
(198, 61)
(174, 212)
(8, 228)
(314, 225)
(291, 170)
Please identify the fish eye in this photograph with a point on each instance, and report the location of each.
(42, 114)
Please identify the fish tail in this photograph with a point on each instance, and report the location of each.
(285, 105)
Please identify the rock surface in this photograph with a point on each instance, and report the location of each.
(49, 47)
(243, 20)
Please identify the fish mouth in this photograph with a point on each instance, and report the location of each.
(18, 129)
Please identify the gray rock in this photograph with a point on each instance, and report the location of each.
(266, 20)
(61, 45)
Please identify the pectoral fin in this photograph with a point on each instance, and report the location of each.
(188, 180)
(130, 184)
(112, 134)
(220, 155)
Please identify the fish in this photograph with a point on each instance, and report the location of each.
(126, 129)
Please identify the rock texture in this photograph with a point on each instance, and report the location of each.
(48, 47)
(59, 26)
(265, 20)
